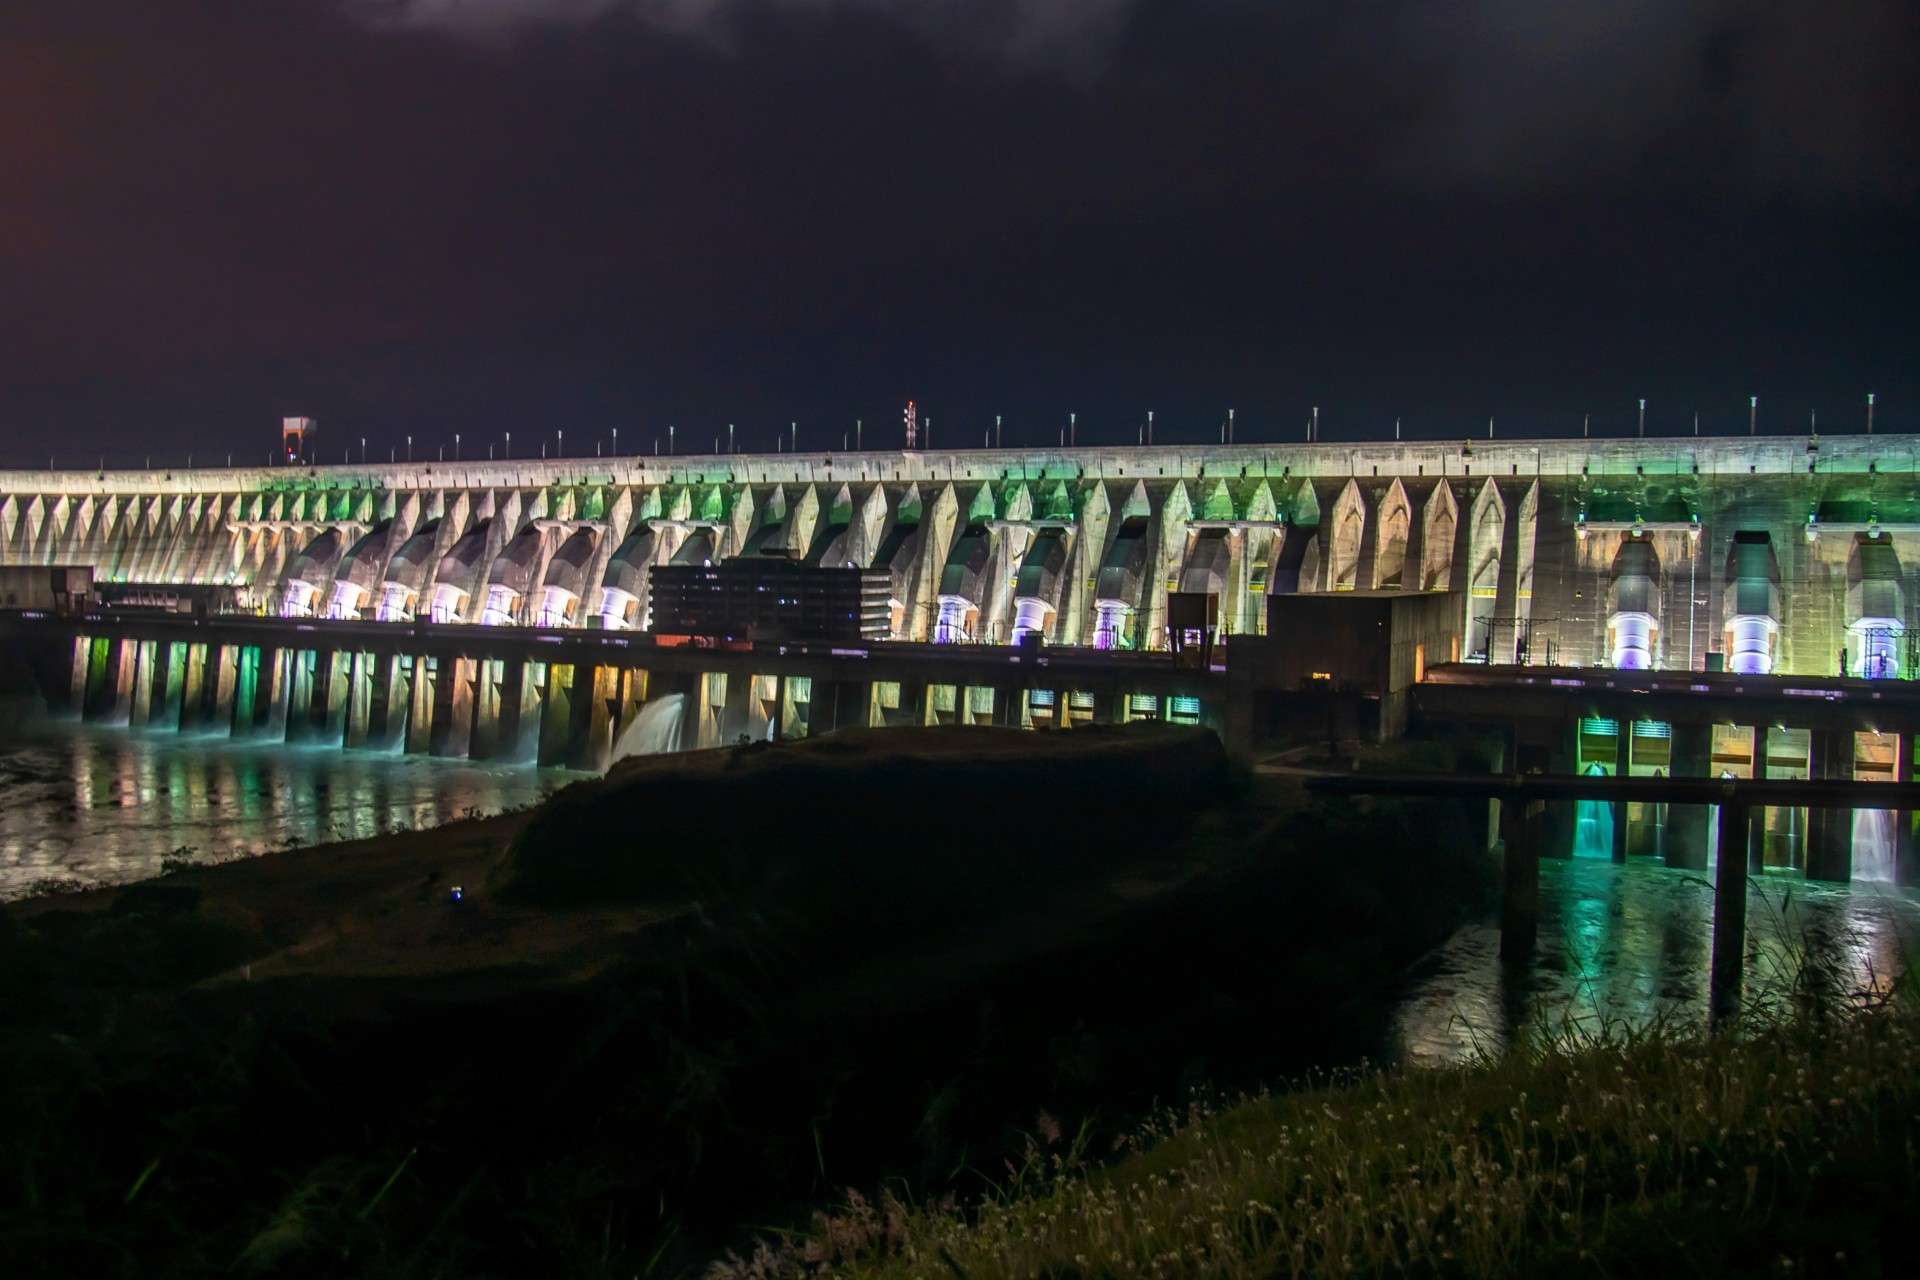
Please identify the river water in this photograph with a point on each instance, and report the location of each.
(101, 805)
(1624, 943)
(1630, 945)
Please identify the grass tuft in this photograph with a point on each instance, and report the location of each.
(1786, 1147)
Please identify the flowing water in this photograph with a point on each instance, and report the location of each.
(655, 731)
(104, 806)
(1873, 845)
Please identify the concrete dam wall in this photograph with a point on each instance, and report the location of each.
(1775, 555)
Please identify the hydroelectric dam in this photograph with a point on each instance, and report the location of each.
(509, 609)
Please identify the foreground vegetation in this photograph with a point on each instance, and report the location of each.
(1786, 1150)
(697, 997)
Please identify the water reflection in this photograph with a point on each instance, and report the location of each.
(1632, 943)
(104, 806)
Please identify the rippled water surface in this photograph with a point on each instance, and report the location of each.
(1632, 943)
(103, 806)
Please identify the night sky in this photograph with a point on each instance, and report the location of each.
(430, 216)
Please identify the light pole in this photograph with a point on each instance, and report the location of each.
(1643, 417)
(616, 442)
(507, 450)
(409, 448)
(363, 448)
(1753, 415)
(456, 446)
(1869, 413)
(559, 442)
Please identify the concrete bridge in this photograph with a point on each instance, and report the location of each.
(1759, 555)
(564, 697)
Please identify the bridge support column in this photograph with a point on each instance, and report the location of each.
(910, 707)
(525, 738)
(226, 671)
(838, 704)
(556, 714)
(386, 702)
(1686, 837)
(173, 684)
(1730, 910)
(124, 666)
(1500, 760)
(758, 710)
(452, 730)
(736, 719)
(359, 700)
(596, 692)
(78, 671)
(627, 694)
(484, 744)
(1754, 832)
(144, 661)
(794, 696)
(780, 714)
(193, 688)
(1830, 831)
(312, 696)
(420, 700)
(1558, 752)
(337, 691)
(1520, 891)
(300, 663)
(512, 679)
(1906, 865)
(246, 692)
(103, 677)
(717, 691)
(401, 682)
(279, 678)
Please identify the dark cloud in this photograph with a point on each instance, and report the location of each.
(1789, 98)
(213, 211)
(1026, 31)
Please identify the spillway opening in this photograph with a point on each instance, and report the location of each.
(1593, 822)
